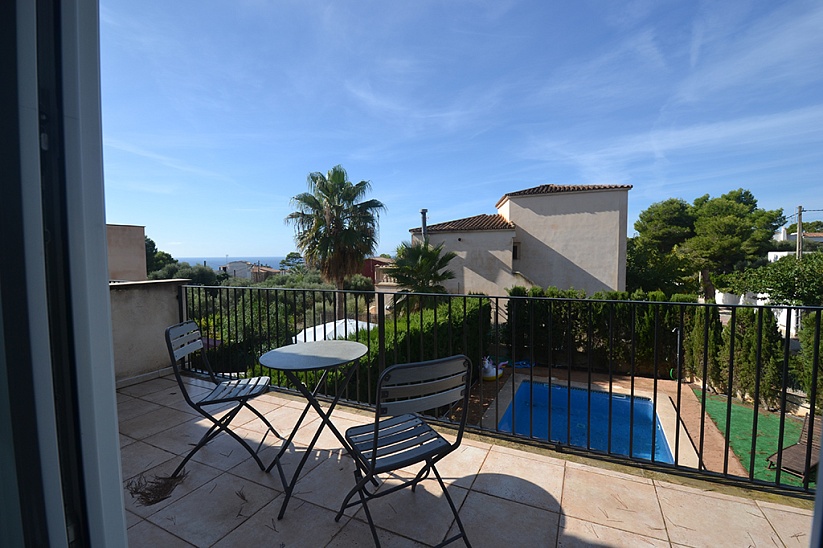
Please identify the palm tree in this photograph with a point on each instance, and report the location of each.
(334, 230)
(420, 268)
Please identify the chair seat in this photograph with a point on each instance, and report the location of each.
(793, 460)
(793, 457)
(402, 440)
(236, 389)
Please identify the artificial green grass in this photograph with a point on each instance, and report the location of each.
(740, 435)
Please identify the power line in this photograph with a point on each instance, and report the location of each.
(793, 215)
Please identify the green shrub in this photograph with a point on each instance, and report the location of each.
(453, 326)
(743, 355)
(547, 326)
(701, 348)
(804, 368)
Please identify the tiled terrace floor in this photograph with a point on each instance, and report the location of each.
(508, 496)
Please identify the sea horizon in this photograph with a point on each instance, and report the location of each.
(216, 262)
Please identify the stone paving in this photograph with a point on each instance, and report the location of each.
(507, 495)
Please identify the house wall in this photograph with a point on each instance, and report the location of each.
(238, 269)
(127, 252)
(370, 266)
(483, 263)
(775, 255)
(139, 346)
(572, 239)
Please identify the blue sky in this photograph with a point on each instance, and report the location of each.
(215, 112)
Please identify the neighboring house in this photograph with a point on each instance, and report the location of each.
(249, 271)
(567, 236)
(237, 269)
(783, 235)
(261, 273)
(383, 283)
(775, 255)
(126, 252)
(371, 266)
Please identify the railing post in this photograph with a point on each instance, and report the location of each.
(381, 331)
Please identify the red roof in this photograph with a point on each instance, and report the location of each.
(478, 222)
(497, 222)
(556, 189)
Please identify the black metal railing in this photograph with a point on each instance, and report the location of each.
(705, 389)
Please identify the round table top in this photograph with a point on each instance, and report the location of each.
(313, 355)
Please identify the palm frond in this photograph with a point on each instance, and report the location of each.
(334, 229)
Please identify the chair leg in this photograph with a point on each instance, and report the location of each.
(365, 504)
(207, 437)
(264, 419)
(454, 511)
(421, 475)
(221, 425)
(360, 482)
(360, 489)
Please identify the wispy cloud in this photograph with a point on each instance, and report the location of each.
(621, 72)
(411, 117)
(143, 187)
(780, 47)
(628, 13)
(163, 160)
(616, 158)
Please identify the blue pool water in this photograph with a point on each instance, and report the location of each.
(534, 398)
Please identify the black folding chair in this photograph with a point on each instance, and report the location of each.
(399, 437)
(183, 340)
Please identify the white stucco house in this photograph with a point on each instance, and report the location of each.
(567, 236)
(784, 235)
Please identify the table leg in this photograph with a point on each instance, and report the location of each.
(325, 419)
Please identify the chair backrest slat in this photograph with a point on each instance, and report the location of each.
(421, 386)
(182, 340)
(393, 392)
(804, 433)
(188, 348)
(434, 369)
(423, 403)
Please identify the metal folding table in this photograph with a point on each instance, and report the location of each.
(306, 357)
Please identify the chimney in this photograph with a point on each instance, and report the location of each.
(425, 233)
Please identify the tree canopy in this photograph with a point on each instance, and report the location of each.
(788, 280)
(710, 236)
(198, 274)
(292, 260)
(335, 228)
(421, 268)
(808, 226)
(649, 269)
(665, 225)
(156, 259)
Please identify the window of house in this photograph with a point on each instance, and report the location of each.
(515, 250)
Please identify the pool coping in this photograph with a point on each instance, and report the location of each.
(667, 414)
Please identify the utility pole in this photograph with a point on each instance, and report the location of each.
(799, 253)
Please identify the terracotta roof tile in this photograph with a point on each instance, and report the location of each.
(263, 268)
(478, 222)
(555, 189)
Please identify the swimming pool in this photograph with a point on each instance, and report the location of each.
(641, 438)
